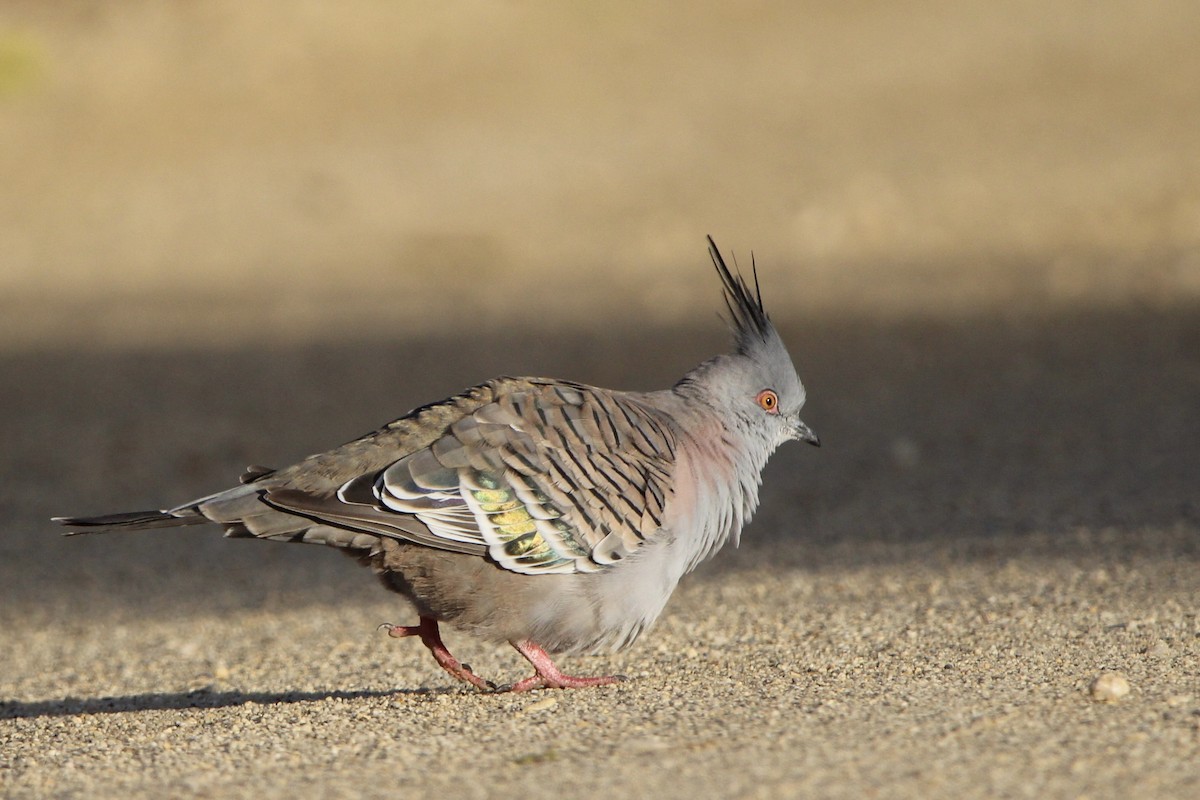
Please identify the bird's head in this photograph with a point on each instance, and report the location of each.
(757, 384)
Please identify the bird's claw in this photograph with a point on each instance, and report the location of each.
(398, 631)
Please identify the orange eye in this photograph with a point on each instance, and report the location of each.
(769, 401)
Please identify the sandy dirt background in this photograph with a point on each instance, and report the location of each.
(239, 233)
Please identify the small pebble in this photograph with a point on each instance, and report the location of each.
(1159, 649)
(541, 705)
(1109, 687)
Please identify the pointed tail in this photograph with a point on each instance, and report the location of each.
(132, 521)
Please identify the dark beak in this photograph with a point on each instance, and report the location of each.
(803, 433)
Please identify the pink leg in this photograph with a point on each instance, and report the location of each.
(431, 637)
(548, 676)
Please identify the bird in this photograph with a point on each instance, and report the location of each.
(551, 515)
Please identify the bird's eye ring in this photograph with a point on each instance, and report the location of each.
(768, 401)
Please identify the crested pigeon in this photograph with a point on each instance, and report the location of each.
(554, 516)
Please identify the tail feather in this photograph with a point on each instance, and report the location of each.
(241, 512)
(131, 521)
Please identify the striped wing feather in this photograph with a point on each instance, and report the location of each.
(549, 477)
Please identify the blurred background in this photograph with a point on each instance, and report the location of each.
(238, 233)
(217, 171)
(241, 232)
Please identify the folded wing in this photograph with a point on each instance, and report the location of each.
(548, 477)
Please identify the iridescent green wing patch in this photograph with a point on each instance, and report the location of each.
(523, 529)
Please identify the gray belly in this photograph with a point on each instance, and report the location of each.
(579, 612)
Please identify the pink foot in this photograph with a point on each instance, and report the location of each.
(548, 676)
(431, 637)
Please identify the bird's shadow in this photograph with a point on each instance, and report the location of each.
(71, 706)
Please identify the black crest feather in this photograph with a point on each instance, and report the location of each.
(747, 315)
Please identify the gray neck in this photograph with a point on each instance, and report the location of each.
(728, 456)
